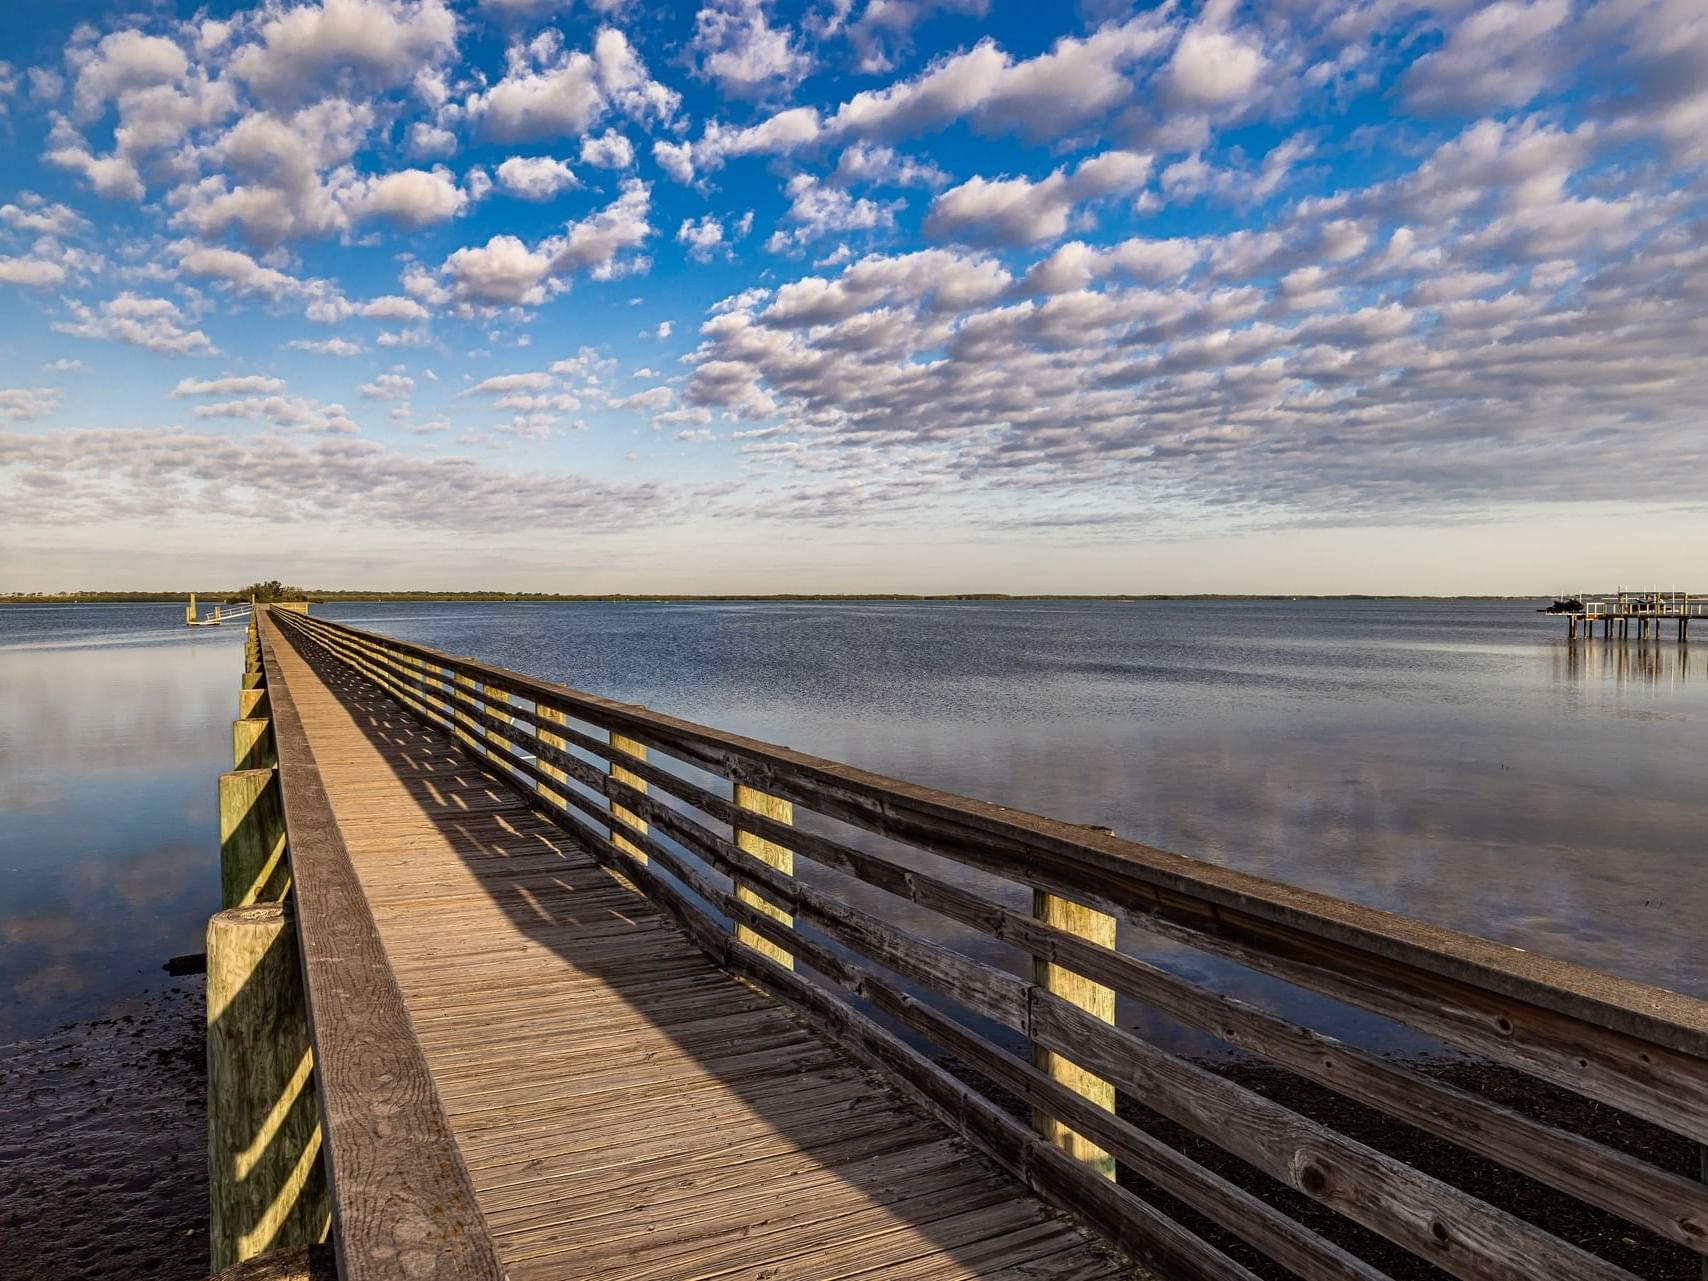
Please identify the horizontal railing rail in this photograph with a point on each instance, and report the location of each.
(702, 819)
(402, 1202)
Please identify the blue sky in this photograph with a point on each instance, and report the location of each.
(854, 295)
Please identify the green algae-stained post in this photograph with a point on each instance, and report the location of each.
(267, 1186)
(252, 864)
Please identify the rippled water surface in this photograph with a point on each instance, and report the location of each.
(1456, 762)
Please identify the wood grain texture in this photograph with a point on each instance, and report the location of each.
(624, 1109)
(402, 1203)
(1453, 1230)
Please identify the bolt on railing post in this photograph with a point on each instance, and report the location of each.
(621, 817)
(1094, 999)
(775, 807)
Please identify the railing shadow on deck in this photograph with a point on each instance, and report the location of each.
(595, 924)
(1640, 1049)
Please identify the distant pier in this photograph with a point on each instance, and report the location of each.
(1618, 612)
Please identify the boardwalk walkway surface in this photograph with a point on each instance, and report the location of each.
(626, 1109)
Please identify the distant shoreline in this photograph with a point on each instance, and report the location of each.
(328, 597)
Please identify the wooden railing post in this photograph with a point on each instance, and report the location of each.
(252, 866)
(251, 732)
(495, 699)
(267, 1185)
(252, 743)
(1094, 999)
(465, 728)
(544, 716)
(775, 807)
(621, 817)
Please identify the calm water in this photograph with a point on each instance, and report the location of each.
(1453, 762)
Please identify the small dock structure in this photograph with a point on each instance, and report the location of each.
(1628, 615)
(514, 980)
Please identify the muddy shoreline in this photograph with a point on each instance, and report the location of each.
(103, 1146)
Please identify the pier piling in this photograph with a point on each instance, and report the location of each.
(267, 1188)
(1616, 612)
(252, 743)
(252, 867)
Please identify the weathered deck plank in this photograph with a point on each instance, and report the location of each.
(623, 1108)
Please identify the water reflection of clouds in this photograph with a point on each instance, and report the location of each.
(18, 795)
(99, 928)
(1525, 839)
(89, 710)
(109, 747)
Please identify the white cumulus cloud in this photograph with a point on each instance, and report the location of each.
(536, 177)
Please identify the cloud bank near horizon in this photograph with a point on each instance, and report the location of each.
(868, 273)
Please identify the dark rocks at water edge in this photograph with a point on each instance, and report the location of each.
(103, 1147)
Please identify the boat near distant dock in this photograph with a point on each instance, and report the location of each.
(1617, 612)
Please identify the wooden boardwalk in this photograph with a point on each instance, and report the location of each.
(517, 981)
(624, 1108)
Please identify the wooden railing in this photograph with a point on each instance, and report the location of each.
(709, 824)
(320, 1102)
